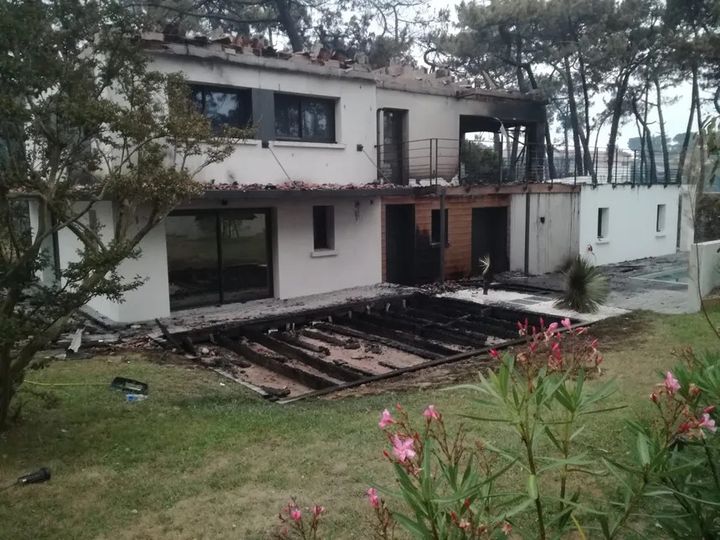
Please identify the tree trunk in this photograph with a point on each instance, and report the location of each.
(550, 149)
(700, 135)
(582, 152)
(688, 130)
(663, 135)
(615, 124)
(288, 22)
(648, 140)
(6, 388)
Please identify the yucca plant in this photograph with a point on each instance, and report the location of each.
(586, 288)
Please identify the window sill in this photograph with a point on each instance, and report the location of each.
(602, 241)
(660, 235)
(303, 144)
(320, 253)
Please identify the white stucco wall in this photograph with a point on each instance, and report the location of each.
(357, 255)
(704, 256)
(631, 233)
(148, 301)
(355, 123)
(554, 230)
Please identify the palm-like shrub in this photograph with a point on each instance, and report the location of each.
(585, 287)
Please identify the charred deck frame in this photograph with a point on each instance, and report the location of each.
(430, 328)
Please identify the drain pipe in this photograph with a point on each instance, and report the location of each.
(443, 234)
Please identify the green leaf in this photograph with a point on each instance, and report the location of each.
(643, 449)
(416, 528)
(532, 487)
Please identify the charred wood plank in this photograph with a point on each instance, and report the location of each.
(361, 322)
(332, 340)
(479, 320)
(394, 344)
(297, 342)
(315, 362)
(388, 365)
(274, 364)
(183, 344)
(398, 321)
(454, 325)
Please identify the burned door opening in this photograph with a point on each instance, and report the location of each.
(400, 243)
(393, 146)
(489, 238)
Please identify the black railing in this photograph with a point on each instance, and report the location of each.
(470, 162)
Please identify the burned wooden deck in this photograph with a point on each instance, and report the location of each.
(325, 350)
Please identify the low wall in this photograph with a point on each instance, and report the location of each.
(704, 271)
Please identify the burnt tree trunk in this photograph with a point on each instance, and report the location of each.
(688, 129)
(621, 89)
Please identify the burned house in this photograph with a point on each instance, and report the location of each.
(352, 177)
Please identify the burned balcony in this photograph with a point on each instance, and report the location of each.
(464, 161)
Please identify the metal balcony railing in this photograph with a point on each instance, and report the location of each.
(429, 160)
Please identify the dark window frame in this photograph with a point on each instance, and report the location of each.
(660, 211)
(603, 225)
(323, 228)
(435, 235)
(300, 99)
(244, 95)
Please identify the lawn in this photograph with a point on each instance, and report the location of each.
(204, 458)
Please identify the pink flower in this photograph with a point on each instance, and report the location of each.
(464, 524)
(567, 324)
(295, 513)
(494, 354)
(385, 419)
(317, 510)
(403, 448)
(707, 423)
(373, 498)
(552, 327)
(556, 352)
(431, 413)
(709, 409)
(506, 528)
(671, 383)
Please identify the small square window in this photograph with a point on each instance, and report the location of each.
(435, 227)
(660, 218)
(323, 227)
(603, 223)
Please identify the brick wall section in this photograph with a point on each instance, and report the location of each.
(459, 252)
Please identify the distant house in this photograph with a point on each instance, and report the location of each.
(352, 177)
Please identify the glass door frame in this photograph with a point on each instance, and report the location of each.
(219, 213)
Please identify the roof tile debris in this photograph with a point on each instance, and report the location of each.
(299, 185)
(390, 76)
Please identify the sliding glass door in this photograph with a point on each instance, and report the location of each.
(218, 256)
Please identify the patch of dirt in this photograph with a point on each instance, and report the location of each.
(623, 332)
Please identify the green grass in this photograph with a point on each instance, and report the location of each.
(204, 458)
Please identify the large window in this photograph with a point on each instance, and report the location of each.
(224, 106)
(218, 256)
(304, 118)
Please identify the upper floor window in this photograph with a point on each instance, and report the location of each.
(223, 106)
(304, 118)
